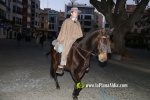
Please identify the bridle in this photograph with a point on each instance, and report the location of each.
(89, 52)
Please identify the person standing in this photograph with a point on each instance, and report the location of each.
(18, 39)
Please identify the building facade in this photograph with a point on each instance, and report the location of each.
(86, 17)
(53, 22)
(17, 15)
(31, 17)
(49, 22)
(43, 29)
(26, 16)
(2, 18)
(61, 18)
(35, 15)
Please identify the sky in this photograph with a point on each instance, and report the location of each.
(60, 4)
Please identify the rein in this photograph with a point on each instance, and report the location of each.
(89, 52)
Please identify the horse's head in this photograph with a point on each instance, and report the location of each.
(103, 45)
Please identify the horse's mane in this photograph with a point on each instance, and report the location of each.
(86, 35)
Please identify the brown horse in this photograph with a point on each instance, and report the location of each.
(79, 57)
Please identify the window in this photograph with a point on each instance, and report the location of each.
(14, 9)
(36, 15)
(2, 13)
(81, 22)
(42, 25)
(86, 29)
(52, 19)
(68, 16)
(51, 26)
(88, 11)
(35, 22)
(81, 16)
(42, 18)
(87, 23)
(19, 10)
(32, 23)
(37, 6)
(87, 17)
(14, 19)
(24, 6)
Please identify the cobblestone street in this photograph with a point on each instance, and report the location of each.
(24, 75)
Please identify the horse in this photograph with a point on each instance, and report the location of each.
(93, 43)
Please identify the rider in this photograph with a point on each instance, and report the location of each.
(69, 33)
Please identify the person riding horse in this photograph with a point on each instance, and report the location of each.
(69, 33)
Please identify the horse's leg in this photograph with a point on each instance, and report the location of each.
(54, 59)
(76, 91)
(54, 76)
(78, 85)
(56, 82)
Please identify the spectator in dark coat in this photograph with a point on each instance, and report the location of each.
(52, 37)
(18, 39)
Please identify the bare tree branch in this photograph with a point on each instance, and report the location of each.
(136, 14)
(122, 11)
(105, 8)
(117, 7)
(72, 2)
(97, 5)
(110, 5)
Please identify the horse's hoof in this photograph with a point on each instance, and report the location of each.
(74, 97)
(58, 88)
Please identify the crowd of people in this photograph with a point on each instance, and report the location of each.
(39, 39)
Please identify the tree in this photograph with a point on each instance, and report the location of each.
(144, 22)
(119, 20)
(72, 2)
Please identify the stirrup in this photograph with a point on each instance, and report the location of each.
(87, 69)
(60, 70)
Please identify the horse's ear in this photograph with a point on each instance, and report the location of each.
(103, 31)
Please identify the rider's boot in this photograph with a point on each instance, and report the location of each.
(60, 69)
